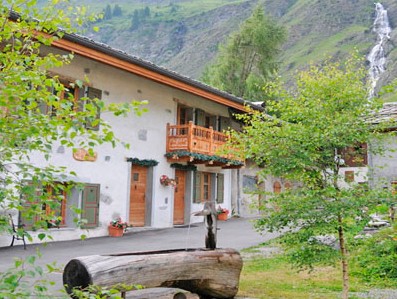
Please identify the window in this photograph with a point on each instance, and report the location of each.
(56, 207)
(249, 184)
(75, 93)
(202, 118)
(185, 114)
(53, 201)
(355, 156)
(208, 186)
(276, 187)
(202, 187)
(49, 201)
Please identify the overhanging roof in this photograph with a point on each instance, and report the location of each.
(103, 53)
(100, 52)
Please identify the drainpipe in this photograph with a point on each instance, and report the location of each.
(238, 192)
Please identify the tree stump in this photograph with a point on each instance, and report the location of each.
(208, 273)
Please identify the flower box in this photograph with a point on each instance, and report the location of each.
(222, 216)
(117, 227)
(115, 231)
(222, 213)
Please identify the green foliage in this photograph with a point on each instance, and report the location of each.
(117, 11)
(17, 282)
(327, 112)
(248, 59)
(375, 257)
(97, 292)
(26, 89)
(107, 14)
(302, 142)
(37, 112)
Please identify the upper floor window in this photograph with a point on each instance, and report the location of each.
(71, 99)
(202, 118)
(276, 187)
(355, 156)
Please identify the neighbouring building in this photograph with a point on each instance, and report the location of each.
(364, 166)
(172, 166)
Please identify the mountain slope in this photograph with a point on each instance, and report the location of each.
(183, 35)
(183, 42)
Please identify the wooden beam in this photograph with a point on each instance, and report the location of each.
(143, 72)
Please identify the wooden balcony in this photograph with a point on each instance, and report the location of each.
(197, 145)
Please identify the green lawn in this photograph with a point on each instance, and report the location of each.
(273, 277)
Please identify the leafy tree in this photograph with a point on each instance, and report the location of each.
(117, 11)
(146, 11)
(107, 14)
(25, 89)
(302, 142)
(135, 21)
(248, 59)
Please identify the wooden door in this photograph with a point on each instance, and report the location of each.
(179, 197)
(138, 195)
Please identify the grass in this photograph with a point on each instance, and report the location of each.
(273, 278)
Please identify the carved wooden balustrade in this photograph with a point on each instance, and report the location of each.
(196, 139)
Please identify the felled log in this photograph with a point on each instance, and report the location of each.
(208, 273)
(161, 293)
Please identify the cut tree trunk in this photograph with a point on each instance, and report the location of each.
(208, 273)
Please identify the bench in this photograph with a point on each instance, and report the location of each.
(18, 232)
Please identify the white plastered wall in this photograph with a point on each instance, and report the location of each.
(146, 135)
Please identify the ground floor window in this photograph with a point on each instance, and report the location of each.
(55, 208)
(58, 205)
(208, 187)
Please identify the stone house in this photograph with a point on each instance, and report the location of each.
(172, 166)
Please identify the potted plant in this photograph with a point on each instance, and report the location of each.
(117, 227)
(166, 181)
(222, 213)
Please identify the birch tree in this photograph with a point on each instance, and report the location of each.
(302, 142)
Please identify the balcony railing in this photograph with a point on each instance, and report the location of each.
(196, 139)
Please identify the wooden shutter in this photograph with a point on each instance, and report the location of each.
(90, 205)
(185, 114)
(197, 187)
(224, 123)
(80, 103)
(212, 121)
(220, 182)
(189, 114)
(28, 222)
(93, 93)
(200, 118)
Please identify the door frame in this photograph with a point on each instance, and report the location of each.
(185, 201)
(149, 193)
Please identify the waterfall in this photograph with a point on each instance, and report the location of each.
(377, 58)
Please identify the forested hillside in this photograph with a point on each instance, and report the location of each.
(184, 35)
